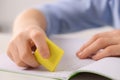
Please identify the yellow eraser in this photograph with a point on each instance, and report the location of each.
(56, 54)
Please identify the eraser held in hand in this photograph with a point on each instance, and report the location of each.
(56, 54)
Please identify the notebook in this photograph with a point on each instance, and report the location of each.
(70, 67)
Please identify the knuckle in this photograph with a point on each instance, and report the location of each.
(101, 41)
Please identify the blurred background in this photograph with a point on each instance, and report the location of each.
(9, 9)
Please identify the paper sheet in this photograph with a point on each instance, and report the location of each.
(68, 63)
(109, 67)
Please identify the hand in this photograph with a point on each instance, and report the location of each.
(23, 43)
(101, 45)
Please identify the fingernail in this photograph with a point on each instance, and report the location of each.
(78, 54)
(81, 56)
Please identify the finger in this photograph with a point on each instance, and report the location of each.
(94, 38)
(17, 59)
(113, 50)
(26, 55)
(95, 46)
(41, 44)
(14, 55)
(87, 44)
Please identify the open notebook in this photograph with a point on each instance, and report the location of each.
(70, 67)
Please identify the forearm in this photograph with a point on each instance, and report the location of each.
(28, 19)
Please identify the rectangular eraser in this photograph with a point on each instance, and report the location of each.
(56, 54)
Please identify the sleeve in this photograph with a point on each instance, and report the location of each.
(73, 15)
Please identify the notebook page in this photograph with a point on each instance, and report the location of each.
(15, 76)
(70, 46)
(7, 65)
(68, 63)
(109, 67)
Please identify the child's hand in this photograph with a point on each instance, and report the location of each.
(101, 45)
(21, 47)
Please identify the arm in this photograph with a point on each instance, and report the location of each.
(69, 16)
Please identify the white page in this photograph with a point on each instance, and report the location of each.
(68, 63)
(15, 76)
(109, 67)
